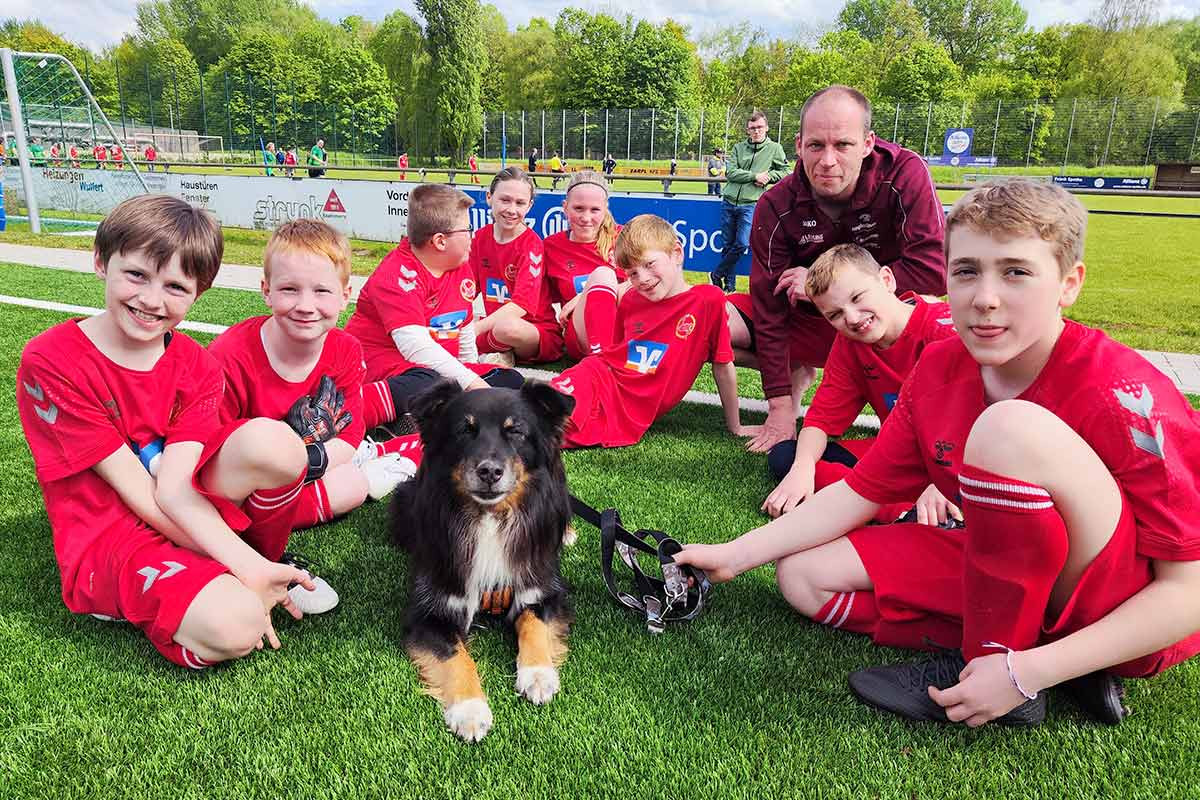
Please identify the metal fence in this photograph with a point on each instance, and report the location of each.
(225, 116)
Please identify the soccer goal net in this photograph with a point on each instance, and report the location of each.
(65, 165)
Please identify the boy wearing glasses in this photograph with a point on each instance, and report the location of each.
(414, 316)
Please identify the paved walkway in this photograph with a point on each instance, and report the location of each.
(1182, 368)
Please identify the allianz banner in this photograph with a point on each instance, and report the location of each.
(376, 210)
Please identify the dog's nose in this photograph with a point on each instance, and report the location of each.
(489, 472)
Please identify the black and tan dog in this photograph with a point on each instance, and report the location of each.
(484, 521)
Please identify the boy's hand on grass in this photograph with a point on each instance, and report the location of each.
(746, 431)
(793, 490)
(984, 692)
(934, 509)
(715, 559)
(270, 581)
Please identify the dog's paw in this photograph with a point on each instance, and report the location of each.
(470, 720)
(569, 536)
(537, 684)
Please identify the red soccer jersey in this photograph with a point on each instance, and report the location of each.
(77, 408)
(513, 271)
(254, 389)
(100, 152)
(118, 154)
(621, 391)
(1127, 411)
(858, 374)
(568, 265)
(400, 292)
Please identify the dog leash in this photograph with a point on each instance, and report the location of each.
(677, 597)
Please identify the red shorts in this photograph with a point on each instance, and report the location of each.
(142, 577)
(550, 343)
(574, 350)
(917, 571)
(812, 336)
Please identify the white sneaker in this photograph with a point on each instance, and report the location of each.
(368, 450)
(505, 358)
(385, 473)
(317, 601)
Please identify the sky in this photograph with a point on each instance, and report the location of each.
(98, 23)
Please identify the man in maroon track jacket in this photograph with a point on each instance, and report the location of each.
(848, 186)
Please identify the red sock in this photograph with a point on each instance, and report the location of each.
(850, 611)
(408, 446)
(378, 406)
(600, 317)
(1015, 548)
(312, 506)
(271, 512)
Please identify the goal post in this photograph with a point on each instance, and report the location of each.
(9, 58)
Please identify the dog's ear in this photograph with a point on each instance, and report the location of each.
(429, 404)
(551, 404)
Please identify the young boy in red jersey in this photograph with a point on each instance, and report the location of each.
(143, 487)
(506, 257)
(414, 314)
(880, 337)
(1076, 462)
(669, 330)
(580, 267)
(276, 364)
(100, 153)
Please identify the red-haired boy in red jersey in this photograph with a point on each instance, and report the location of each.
(668, 330)
(1075, 461)
(143, 487)
(879, 338)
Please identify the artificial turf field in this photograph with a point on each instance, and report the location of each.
(747, 701)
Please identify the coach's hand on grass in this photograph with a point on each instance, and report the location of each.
(779, 426)
(984, 691)
(794, 489)
(792, 281)
(934, 509)
(717, 560)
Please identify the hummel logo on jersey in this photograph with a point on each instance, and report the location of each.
(565, 386)
(870, 372)
(48, 414)
(644, 356)
(409, 274)
(407, 286)
(152, 574)
(535, 258)
(496, 290)
(1143, 407)
(534, 271)
(940, 449)
(945, 321)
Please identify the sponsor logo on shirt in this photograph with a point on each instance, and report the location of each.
(811, 238)
(578, 282)
(644, 356)
(940, 450)
(870, 372)
(809, 223)
(685, 326)
(889, 400)
(467, 289)
(445, 327)
(496, 290)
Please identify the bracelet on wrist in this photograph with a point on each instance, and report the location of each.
(1012, 675)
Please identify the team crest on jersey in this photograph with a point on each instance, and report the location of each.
(444, 327)
(433, 301)
(578, 282)
(870, 372)
(467, 289)
(644, 356)
(496, 290)
(510, 272)
(685, 326)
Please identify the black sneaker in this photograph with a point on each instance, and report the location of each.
(716, 280)
(1100, 694)
(903, 689)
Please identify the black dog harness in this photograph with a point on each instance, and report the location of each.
(677, 597)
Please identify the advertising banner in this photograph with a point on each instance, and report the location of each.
(1101, 182)
(956, 150)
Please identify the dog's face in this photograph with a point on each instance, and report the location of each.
(490, 440)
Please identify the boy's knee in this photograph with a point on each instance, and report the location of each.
(226, 621)
(1008, 434)
(794, 575)
(508, 330)
(273, 450)
(602, 276)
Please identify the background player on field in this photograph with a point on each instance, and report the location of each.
(275, 364)
(100, 153)
(669, 331)
(880, 337)
(414, 314)
(506, 257)
(581, 270)
(142, 485)
(1077, 464)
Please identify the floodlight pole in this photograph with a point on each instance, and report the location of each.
(14, 105)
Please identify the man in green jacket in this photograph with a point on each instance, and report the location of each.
(752, 166)
(317, 159)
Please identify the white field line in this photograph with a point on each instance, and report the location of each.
(698, 398)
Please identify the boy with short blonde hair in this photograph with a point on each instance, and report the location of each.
(143, 487)
(1076, 461)
(668, 330)
(414, 316)
(879, 338)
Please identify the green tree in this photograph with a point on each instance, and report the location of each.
(211, 28)
(924, 72)
(974, 32)
(496, 40)
(841, 57)
(1186, 48)
(530, 68)
(454, 40)
(590, 59)
(398, 44)
(159, 82)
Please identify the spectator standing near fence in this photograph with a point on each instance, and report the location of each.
(118, 156)
(100, 153)
(754, 164)
(151, 157)
(716, 169)
(849, 187)
(268, 157)
(289, 162)
(674, 165)
(473, 165)
(533, 160)
(402, 164)
(317, 159)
